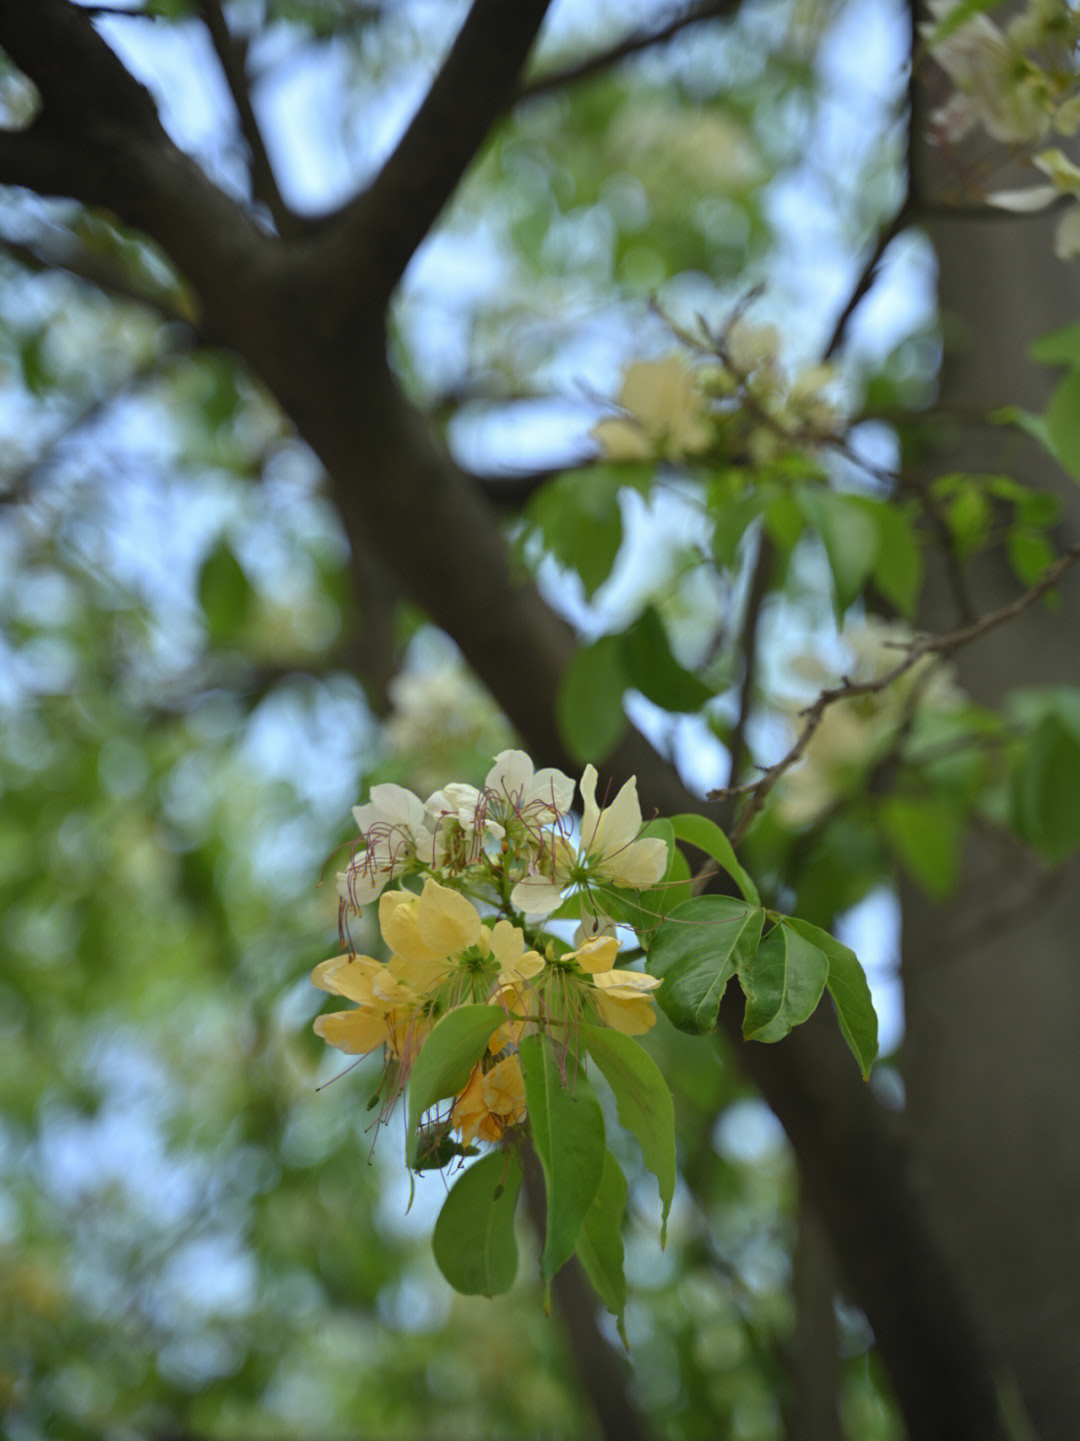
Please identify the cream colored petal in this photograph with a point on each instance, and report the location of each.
(506, 942)
(536, 895)
(420, 974)
(631, 1017)
(596, 955)
(349, 976)
(639, 865)
(551, 788)
(617, 824)
(448, 923)
(510, 775)
(356, 1032)
(622, 439)
(626, 985)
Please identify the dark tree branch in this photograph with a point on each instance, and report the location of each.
(478, 81)
(867, 276)
(748, 644)
(232, 53)
(633, 44)
(941, 1376)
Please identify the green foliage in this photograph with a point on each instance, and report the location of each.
(445, 1061)
(568, 1133)
(590, 701)
(180, 737)
(702, 944)
(600, 1245)
(783, 981)
(473, 1239)
(643, 1100)
(1046, 772)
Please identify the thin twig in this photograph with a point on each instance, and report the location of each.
(867, 277)
(758, 791)
(632, 44)
(231, 52)
(748, 644)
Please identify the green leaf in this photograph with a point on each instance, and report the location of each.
(225, 594)
(1060, 347)
(849, 532)
(600, 1244)
(1062, 424)
(474, 1241)
(707, 836)
(642, 1099)
(696, 951)
(898, 570)
(848, 988)
(568, 1133)
(1045, 788)
(589, 705)
(445, 1062)
(1058, 428)
(1029, 552)
(783, 981)
(580, 520)
(731, 519)
(925, 833)
(650, 667)
(652, 905)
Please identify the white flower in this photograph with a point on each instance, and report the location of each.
(528, 790)
(609, 843)
(609, 852)
(395, 835)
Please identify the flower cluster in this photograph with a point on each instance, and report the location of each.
(461, 882)
(1019, 84)
(738, 402)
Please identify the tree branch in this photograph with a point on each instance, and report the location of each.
(232, 53)
(914, 651)
(632, 44)
(478, 81)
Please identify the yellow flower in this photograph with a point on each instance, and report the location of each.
(490, 1102)
(623, 999)
(386, 1012)
(439, 936)
(665, 413)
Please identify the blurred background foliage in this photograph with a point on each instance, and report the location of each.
(194, 1239)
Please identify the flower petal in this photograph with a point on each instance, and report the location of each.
(356, 1032)
(447, 921)
(349, 976)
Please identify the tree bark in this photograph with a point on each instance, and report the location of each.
(991, 976)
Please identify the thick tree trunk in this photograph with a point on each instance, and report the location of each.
(992, 976)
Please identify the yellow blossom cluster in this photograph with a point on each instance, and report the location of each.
(488, 860)
(741, 402)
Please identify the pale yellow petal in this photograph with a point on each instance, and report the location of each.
(631, 1017)
(639, 865)
(356, 1032)
(596, 955)
(401, 932)
(448, 923)
(349, 976)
